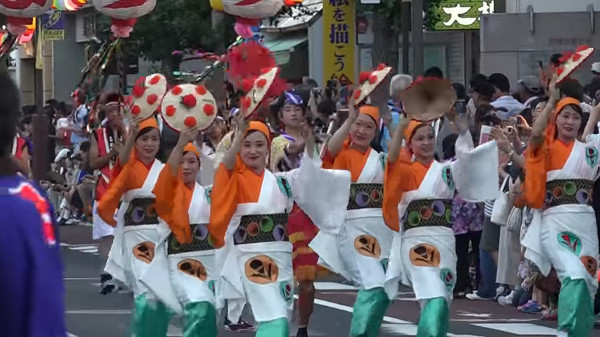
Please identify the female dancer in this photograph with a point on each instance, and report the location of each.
(136, 221)
(560, 174)
(421, 191)
(249, 215)
(286, 152)
(364, 240)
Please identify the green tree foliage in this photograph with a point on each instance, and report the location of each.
(432, 13)
(387, 28)
(178, 25)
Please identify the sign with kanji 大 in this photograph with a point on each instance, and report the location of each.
(339, 40)
(53, 26)
(457, 14)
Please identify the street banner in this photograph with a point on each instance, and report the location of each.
(339, 40)
(53, 26)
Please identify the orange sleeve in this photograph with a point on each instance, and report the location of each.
(224, 201)
(397, 178)
(172, 204)
(534, 188)
(110, 201)
(165, 190)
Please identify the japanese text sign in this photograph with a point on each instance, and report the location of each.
(339, 40)
(457, 14)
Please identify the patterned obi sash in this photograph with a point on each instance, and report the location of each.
(569, 191)
(202, 241)
(141, 211)
(428, 212)
(260, 228)
(364, 196)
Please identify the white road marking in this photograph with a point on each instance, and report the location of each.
(99, 312)
(471, 314)
(333, 286)
(71, 335)
(80, 278)
(520, 329)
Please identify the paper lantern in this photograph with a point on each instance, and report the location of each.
(20, 13)
(124, 13)
(247, 12)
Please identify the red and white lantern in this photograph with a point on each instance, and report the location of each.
(124, 13)
(20, 13)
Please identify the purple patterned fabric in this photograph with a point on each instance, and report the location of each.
(466, 216)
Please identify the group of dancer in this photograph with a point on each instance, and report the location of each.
(278, 213)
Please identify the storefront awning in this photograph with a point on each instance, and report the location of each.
(282, 47)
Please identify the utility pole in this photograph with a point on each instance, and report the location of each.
(405, 35)
(417, 33)
(39, 121)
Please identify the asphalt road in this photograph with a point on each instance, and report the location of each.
(90, 314)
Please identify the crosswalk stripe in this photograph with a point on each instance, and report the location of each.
(520, 329)
(83, 248)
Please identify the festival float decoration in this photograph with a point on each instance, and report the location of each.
(248, 13)
(19, 14)
(124, 15)
(68, 5)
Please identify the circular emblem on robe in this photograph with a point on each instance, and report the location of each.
(261, 269)
(144, 251)
(425, 255)
(368, 246)
(286, 291)
(570, 241)
(193, 268)
(590, 264)
(448, 278)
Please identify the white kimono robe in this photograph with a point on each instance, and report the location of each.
(256, 261)
(135, 235)
(424, 257)
(565, 236)
(363, 241)
(182, 274)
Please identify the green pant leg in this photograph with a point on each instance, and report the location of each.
(150, 318)
(575, 308)
(369, 309)
(275, 328)
(200, 320)
(435, 318)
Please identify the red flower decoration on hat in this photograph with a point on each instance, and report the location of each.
(364, 76)
(209, 109)
(136, 110)
(565, 56)
(190, 121)
(247, 84)
(170, 111)
(189, 101)
(201, 90)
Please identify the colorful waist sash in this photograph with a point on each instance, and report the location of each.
(364, 196)
(569, 191)
(261, 228)
(141, 212)
(202, 241)
(428, 212)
